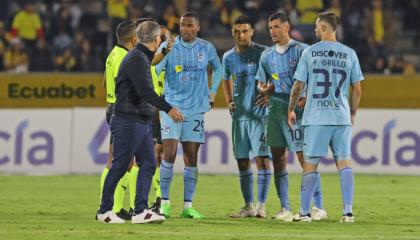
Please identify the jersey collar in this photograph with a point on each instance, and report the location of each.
(121, 46)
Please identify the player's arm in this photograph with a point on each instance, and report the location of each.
(264, 87)
(356, 77)
(355, 99)
(104, 80)
(295, 94)
(160, 55)
(161, 61)
(217, 71)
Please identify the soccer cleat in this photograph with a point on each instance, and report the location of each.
(245, 212)
(283, 214)
(165, 210)
(318, 214)
(347, 218)
(109, 217)
(191, 213)
(147, 216)
(300, 218)
(124, 214)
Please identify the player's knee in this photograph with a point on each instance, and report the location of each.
(342, 163)
(243, 164)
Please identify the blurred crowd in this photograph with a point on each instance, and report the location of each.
(76, 35)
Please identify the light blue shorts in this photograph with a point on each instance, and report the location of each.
(248, 138)
(318, 138)
(191, 130)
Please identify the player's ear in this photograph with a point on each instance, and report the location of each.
(251, 31)
(323, 28)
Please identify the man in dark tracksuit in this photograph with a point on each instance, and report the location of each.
(131, 126)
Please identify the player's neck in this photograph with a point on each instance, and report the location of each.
(241, 49)
(190, 41)
(125, 45)
(329, 38)
(283, 42)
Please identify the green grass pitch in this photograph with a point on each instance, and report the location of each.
(63, 207)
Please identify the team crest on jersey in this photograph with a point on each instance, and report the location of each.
(200, 56)
(165, 129)
(178, 68)
(233, 77)
(293, 62)
(250, 63)
(275, 76)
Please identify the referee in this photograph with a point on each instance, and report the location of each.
(131, 126)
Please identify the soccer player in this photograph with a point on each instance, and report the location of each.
(126, 35)
(275, 76)
(249, 120)
(327, 68)
(186, 88)
(158, 84)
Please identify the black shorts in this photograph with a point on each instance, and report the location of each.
(109, 112)
(157, 136)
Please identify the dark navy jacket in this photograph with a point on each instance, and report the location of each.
(136, 98)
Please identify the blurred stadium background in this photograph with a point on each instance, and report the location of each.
(52, 117)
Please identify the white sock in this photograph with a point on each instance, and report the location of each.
(249, 205)
(187, 205)
(163, 201)
(260, 205)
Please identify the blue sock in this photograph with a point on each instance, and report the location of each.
(263, 181)
(281, 179)
(246, 178)
(318, 193)
(190, 182)
(347, 189)
(307, 191)
(166, 174)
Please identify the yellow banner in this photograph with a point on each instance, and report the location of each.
(86, 90)
(51, 90)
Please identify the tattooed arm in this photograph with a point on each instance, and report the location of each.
(297, 89)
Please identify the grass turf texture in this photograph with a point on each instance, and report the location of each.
(63, 207)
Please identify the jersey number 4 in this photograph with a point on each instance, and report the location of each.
(327, 83)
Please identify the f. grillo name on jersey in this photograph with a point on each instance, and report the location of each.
(337, 59)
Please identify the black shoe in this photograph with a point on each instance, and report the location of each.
(156, 206)
(124, 214)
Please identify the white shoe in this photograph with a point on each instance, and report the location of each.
(300, 218)
(260, 211)
(348, 218)
(318, 214)
(283, 214)
(109, 217)
(245, 212)
(147, 216)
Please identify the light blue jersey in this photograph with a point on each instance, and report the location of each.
(328, 69)
(241, 69)
(186, 82)
(279, 68)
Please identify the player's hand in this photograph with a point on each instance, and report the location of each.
(353, 118)
(267, 89)
(232, 108)
(169, 46)
(176, 115)
(291, 119)
(301, 103)
(262, 101)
